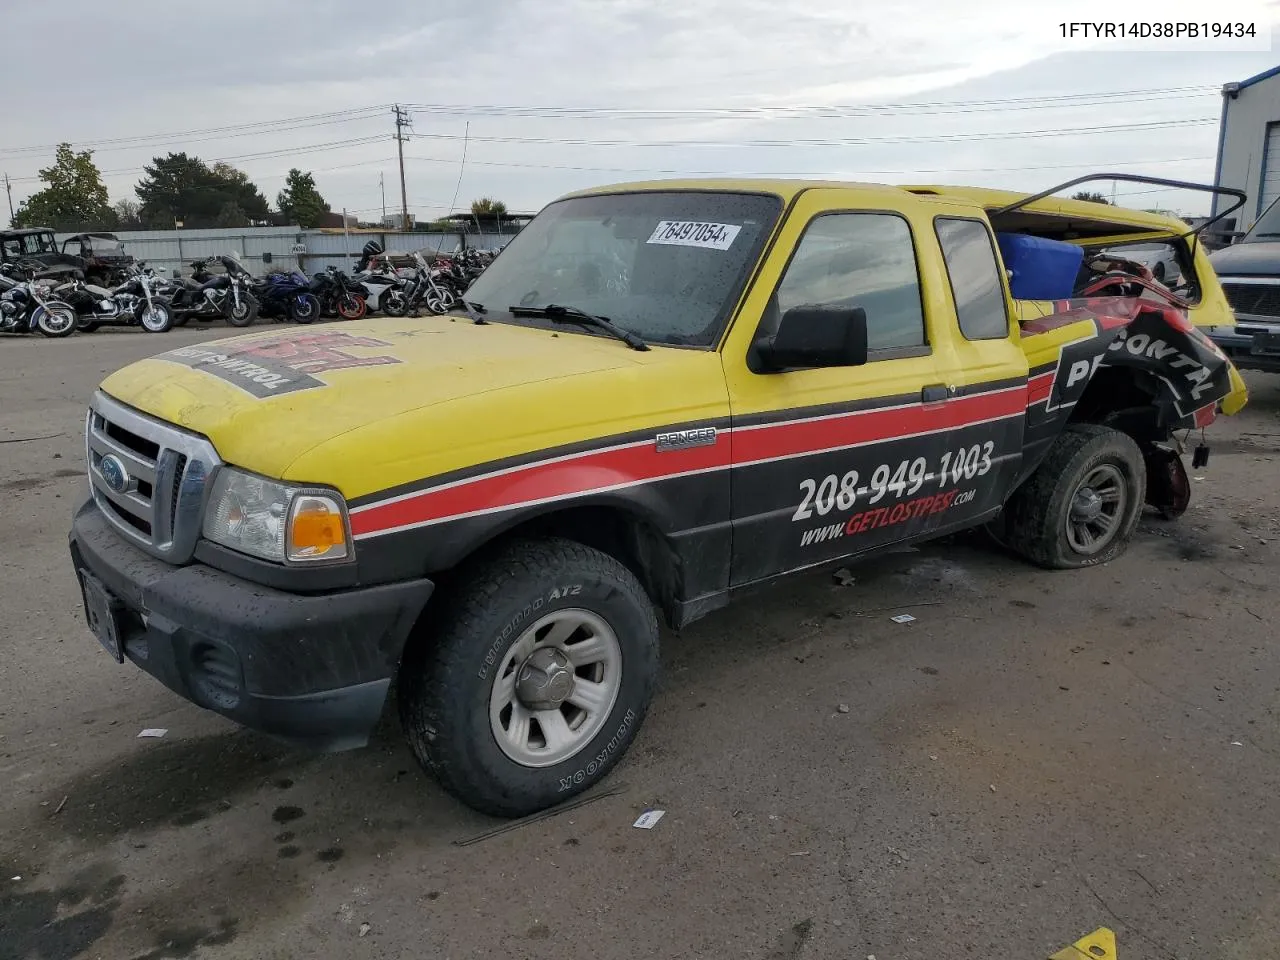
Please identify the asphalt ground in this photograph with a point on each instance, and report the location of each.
(1036, 755)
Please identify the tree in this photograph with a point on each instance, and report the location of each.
(1091, 197)
(75, 198)
(182, 188)
(300, 200)
(488, 207)
(128, 215)
(231, 215)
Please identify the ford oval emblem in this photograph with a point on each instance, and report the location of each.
(113, 473)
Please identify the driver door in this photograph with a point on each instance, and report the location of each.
(842, 460)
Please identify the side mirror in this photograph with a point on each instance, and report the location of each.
(816, 336)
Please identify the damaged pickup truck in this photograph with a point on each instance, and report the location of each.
(658, 396)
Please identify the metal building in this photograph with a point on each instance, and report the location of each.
(1249, 144)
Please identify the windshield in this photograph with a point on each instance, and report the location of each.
(1268, 225)
(104, 246)
(34, 243)
(667, 266)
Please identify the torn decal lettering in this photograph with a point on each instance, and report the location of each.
(271, 366)
(695, 233)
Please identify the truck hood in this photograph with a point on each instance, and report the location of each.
(1260, 258)
(266, 400)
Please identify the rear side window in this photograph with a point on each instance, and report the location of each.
(974, 272)
(860, 260)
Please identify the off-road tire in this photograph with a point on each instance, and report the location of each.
(1036, 517)
(448, 674)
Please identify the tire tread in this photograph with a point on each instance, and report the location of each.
(430, 709)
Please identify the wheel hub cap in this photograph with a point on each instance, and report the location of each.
(545, 679)
(1087, 504)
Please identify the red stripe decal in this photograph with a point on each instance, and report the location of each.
(1040, 387)
(592, 471)
(814, 436)
(605, 469)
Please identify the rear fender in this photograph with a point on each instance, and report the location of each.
(1191, 378)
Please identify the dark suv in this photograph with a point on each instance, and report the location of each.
(101, 257)
(1250, 275)
(37, 245)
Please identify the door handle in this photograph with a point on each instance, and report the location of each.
(935, 393)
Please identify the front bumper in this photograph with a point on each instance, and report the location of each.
(310, 669)
(1240, 346)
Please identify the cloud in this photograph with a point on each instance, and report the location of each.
(264, 60)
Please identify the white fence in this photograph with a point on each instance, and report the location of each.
(265, 248)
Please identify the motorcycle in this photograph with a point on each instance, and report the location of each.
(134, 301)
(205, 296)
(287, 296)
(338, 295)
(384, 290)
(27, 304)
(432, 288)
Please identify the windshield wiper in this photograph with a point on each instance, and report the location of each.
(561, 314)
(473, 310)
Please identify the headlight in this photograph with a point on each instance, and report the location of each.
(276, 521)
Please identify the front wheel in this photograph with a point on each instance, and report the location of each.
(395, 304)
(243, 313)
(304, 308)
(1081, 505)
(155, 318)
(352, 306)
(55, 319)
(537, 678)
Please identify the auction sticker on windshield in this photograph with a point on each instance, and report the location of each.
(695, 233)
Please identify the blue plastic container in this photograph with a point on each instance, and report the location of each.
(1040, 269)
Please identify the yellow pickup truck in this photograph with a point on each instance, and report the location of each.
(658, 395)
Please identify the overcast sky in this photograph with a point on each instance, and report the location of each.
(729, 74)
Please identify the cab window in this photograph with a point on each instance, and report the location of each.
(974, 273)
(862, 260)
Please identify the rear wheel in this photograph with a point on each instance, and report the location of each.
(85, 325)
(1081, 505)
(536, 680)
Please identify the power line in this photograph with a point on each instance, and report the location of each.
(1046, 101)
(249, 129)
(816, 173)
(848, 141)
(816, 111)
(263, 155)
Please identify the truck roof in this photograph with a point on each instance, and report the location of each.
(1095, 218)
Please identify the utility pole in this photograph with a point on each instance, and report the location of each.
(383, 187)
(402, 122)
(9, 190)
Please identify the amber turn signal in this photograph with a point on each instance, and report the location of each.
(317, 529)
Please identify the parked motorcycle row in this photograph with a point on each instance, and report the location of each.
(30, 303)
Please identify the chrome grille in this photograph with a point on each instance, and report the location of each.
(160, 504)
(1253, 299)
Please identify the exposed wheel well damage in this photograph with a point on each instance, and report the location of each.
(1129, 400)
(1137, 403)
